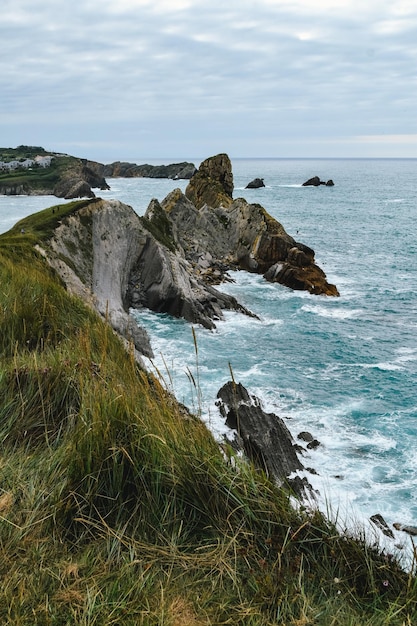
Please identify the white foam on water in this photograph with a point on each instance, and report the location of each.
(384, 366)
(406, 355)
(332, 311)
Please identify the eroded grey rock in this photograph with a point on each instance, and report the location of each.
(264, 437)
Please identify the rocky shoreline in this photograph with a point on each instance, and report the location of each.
(170, 260)
(30, 170)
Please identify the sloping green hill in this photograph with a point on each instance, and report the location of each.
(118, 507)
(24, 170)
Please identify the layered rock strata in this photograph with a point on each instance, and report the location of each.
(262, 436)
(217, 233)
(170, 259)
(105, 254)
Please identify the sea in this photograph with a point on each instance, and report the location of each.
(344, 369)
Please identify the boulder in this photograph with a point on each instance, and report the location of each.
(73, 187)
(263, 437)
(316, 182)
(310, 278)
(256, 183)
(410, 530)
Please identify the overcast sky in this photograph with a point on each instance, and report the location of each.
(147, 79)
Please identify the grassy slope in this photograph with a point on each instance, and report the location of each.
(117, 507)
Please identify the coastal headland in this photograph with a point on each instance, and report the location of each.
(32, 170)
(116, 504)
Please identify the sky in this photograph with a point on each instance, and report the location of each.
(154, 79)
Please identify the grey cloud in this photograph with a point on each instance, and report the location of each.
(209, 68)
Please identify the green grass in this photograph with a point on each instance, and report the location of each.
(118, 507)
(39, 179)
(22, 152)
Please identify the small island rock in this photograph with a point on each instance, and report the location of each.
(316, 182)
(256, 183)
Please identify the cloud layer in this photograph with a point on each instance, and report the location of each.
(189, 78)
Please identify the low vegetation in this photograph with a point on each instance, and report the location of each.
(35, 179)
(118, 507)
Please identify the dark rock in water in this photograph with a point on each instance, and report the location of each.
(176, 171)
(70, 188)
(410, 530)
(380, 523)
(312, 445)
(265, 438)
(312, 182)
(256, 183)
(310, 278)
(305, 436)
(316, 182)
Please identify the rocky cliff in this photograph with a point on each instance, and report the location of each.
(106, 254)
(215, 231)
(170, 259)
(31, 170)
(263, 437)
(175, 171)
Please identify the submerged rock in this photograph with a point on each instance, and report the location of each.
(410, 530)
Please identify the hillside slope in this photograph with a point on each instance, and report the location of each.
(118, 507)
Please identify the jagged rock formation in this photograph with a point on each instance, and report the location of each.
(256, 183)
(78, 180)
(218, 233)
(212, 184)
(105, 253)
(169, 259)
(174, 171)
(122, 169)
(316, 182)
(262, 436)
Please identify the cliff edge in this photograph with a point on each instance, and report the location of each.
(170, 259)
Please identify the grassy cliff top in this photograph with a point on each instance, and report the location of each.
(118, 507)
(23, 152)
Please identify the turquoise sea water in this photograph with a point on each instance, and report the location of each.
(344, 368)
